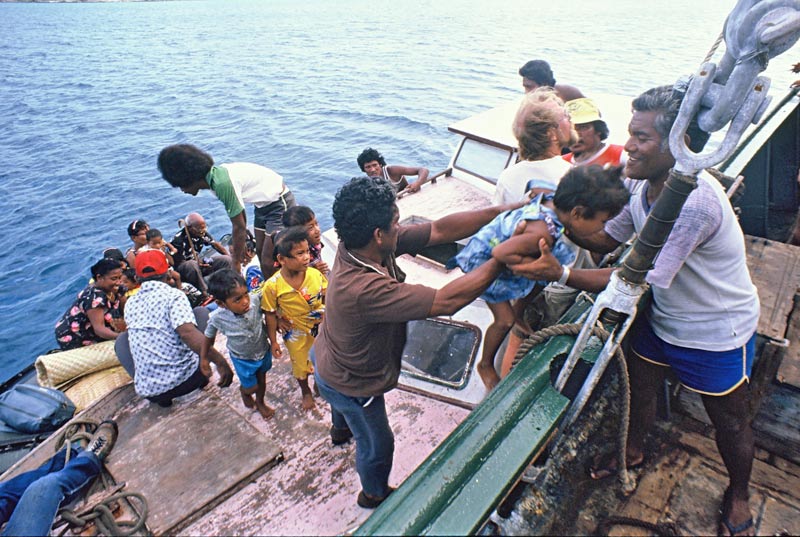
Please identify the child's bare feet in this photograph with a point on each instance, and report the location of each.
(247, 399)
(308, 402)
(265, 410)
(488, 375)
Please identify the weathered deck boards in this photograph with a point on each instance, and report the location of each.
(684, 484)
(186, 458)
(313, 491)
(777, 424)
(789, 371)
(775, 269)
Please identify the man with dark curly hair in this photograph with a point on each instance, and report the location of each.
(360, 344)
(191, 169)
(373, 164)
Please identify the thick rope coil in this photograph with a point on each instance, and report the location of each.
(102, 515)
(101, 512)
(573, 329)
(76, 431)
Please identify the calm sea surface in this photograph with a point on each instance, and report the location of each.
(89, 94)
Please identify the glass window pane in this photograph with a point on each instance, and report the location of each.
(440, 351)
(481, 159)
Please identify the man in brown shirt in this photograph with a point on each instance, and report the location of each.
(360, 343)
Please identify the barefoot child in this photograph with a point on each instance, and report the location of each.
(585, 199)
(297, 291)
(240, 319)
(300, 215)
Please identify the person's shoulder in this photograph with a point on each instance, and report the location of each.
(568, 92)
(556, 162)
(220, 314)
(709, 192)
(274, 282)
(250, 169)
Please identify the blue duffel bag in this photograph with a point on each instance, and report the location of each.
(34, 409)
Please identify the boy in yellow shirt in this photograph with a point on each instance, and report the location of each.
(297, 293)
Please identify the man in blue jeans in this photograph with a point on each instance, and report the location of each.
(360, 343)
(29, 502)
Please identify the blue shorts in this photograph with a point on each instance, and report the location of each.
(705, 372)
(247, 370)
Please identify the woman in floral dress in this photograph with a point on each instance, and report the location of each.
(95, 314)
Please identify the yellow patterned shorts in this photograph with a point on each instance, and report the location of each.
(299, 346)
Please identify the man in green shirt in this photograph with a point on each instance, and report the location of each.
(191, 169)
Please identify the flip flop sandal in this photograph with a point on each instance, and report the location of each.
(735, 530)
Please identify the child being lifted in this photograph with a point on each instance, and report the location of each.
(239, 317)
(585, 199)
(297, 293)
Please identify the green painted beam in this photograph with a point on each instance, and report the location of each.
(456, 488)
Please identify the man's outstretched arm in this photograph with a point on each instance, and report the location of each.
(547, 268)
(457, 226)
(421, 173)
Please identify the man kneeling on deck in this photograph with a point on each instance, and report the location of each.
(704, 313)
(360, 343)
(164, 340)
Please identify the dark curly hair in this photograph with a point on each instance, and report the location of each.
(539, 71)
(360, 207)
(368, 155)
(183, 165)
(594, 188)
(222, 283)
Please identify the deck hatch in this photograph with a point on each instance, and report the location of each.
(440, 351)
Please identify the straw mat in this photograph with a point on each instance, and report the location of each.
(55, 370)
(95, 385)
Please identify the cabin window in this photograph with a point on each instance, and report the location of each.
(441, 351)
(485, 161)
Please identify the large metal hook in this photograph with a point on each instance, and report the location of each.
(755, 31)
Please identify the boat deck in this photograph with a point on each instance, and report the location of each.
(210, 466)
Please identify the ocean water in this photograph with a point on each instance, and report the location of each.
(89, 94)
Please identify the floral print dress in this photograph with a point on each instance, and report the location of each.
(74, 329)
(478, 250)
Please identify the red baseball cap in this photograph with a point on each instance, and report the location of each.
(151, 263)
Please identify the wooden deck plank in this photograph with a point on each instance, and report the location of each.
(182, 473)
(789, 371)
(775, 270)
(313, 491)
(776, 426)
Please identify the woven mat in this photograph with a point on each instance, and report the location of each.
(95, 385)
(55, 370)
